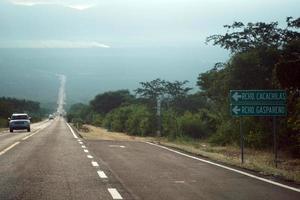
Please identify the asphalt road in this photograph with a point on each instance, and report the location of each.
(52, 163)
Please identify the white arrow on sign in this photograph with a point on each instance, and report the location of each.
(236, 110)
(236, 96)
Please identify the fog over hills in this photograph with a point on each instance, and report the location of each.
(32, 73)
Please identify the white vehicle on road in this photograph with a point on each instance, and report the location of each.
(19, 121)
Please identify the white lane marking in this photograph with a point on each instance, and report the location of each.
(179, 182)
(89, 156)
(228, 168)
(8, 148)
(86, 151)
(84, 147)
(80, 142)
(75, 136)
(119, 146)
(25, 138)
(37, 131)
(95, 164)
(101, 174)
(114, 193)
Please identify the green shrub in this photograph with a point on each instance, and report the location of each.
(133, 119)
(192, 125)
(3, 123)
(170, 124)
(107, 121)
(97, 120)
(140, 121)
(227, 133)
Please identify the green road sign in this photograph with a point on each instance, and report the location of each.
(258, 110)
(257, 97)
(258, 102)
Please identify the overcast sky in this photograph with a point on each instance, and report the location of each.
(128, 23)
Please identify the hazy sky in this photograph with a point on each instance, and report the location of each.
(128, 23)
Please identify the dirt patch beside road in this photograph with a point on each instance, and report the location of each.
(97, 133)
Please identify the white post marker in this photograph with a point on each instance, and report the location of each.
(114, 193)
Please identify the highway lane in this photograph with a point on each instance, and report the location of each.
(56, 164)
(7, 138)
(52, 164)
(150, 172)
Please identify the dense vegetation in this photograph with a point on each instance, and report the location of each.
(12, 105)
(263, 56)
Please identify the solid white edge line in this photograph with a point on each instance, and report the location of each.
(95, 164)
(101, 174)
(75, 136)
(8, 148)
(114, 193)
(228, 168)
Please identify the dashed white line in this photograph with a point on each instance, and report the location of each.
(80, 142)
(119, 146)
(101, 174)
(8, 148)
(95, 164)
(75, 136)
(37, 131)
(25, 138)
(114, 193)
(89, 156)
(228, 168)
(83, 146)
(86, 151)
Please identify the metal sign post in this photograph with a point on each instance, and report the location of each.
(274, 141)
(242, 140)
(258, 103)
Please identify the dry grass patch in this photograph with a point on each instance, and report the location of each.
(260, 161)
(97, 133)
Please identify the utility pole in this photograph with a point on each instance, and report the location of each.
(158, 115)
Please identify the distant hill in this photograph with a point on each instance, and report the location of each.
(31, 73)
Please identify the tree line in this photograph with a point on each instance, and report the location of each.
(263, 56)
(8, 106)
